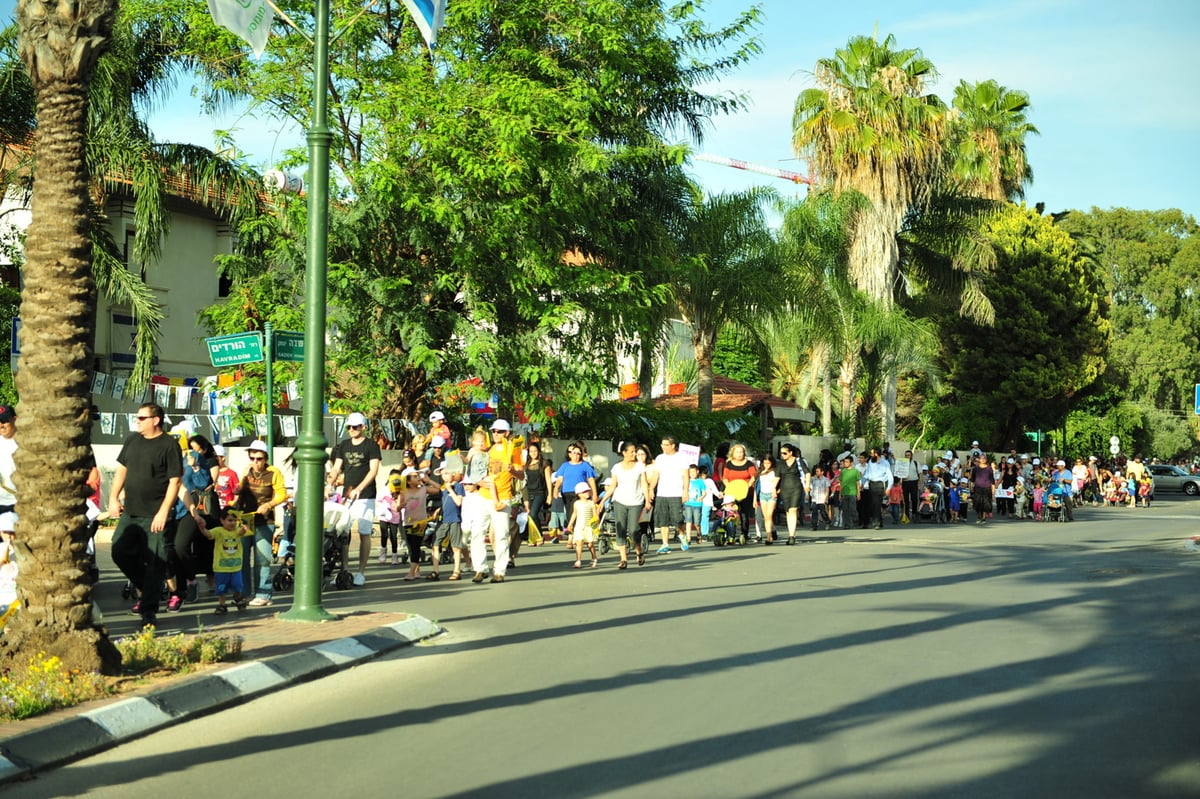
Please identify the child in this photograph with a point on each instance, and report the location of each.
(1021, 499)
(706, 511)
(387, 510)
(558, 521)
(1146, 489)
(227, 556)
(414, 517)
(895, 497)
(452, 499)
(8, 570)
(580, 524)
(818, 491)
(1039, 499)
(954, 504)
(693, 506)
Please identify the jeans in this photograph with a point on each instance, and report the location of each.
(257, 557)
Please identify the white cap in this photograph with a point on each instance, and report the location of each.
(1037, 461)
(257, 445)
(8, 521)
(501, 424)
(468, 480)
(219, 450)
(948, 455)
(1010, 460)
(1091, 457)
(355, 419)
(437, 416)
(437, 441)
(1061, 463)
(974, 443)
(963, 480)
(581, 488)
(924, 468)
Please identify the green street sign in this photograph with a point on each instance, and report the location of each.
(235, 349)
(1034, 436)
(289, 346)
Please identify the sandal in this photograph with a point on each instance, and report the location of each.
(641, 559)
(622, 566)
(595, 563)
(432, 576)
(455, 575)
(578, 565)
(220, 610)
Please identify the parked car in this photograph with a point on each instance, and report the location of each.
(1172, 478)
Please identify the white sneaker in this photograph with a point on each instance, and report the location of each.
(383, 556)
(360, 579)
(395, 559)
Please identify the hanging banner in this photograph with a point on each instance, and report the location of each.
(183, 397)
(119, 382)
(108, 423)
(99, 383)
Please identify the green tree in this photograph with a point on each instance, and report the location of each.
(60, 44)
(467, 174)
(736, 356)
(729, 271)
(1150, 265)
(1049, 342)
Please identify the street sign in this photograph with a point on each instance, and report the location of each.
(235, 349)
(289, 346)
(1198, 399)
(1114, 449)
(1115, 441)
(1034, 436)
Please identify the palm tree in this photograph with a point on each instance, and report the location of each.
(871, 127)
(60, 44)
(987, 140)
(729, 270)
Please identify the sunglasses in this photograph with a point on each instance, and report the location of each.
(258, 457)
(144, 418)
(354, 426)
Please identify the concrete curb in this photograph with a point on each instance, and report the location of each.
(96, 730)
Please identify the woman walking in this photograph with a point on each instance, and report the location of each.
(739, 475)
(764, 496)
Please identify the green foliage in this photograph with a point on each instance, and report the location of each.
(735, 356)
(1049, 342)
(1170, 435)
(177, 653)
(645, 424)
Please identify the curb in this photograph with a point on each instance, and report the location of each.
(94, 731)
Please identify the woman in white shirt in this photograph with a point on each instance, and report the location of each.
(630, 494)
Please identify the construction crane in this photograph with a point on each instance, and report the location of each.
(786, 174)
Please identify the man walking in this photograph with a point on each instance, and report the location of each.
(878, 477)
(670, 488)
(504, 466)
(849, 478)
(149, 473)
(356, 459)
(909, 473)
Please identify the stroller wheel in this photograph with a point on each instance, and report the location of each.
(605, 547)
(282, 581)
(344, 580)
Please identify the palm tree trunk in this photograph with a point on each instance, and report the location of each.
(59, 44)
(889, 405)
(702, 344)
(827, 403)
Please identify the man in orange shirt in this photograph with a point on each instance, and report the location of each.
(505, 466)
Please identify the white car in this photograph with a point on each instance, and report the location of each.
(1172, 478)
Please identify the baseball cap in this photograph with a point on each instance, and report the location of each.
(1010, 460)
(7, 414)
(948, 455)
(468, 480)
(974, 443)
(219, 450)
(501, 424)
(924, 468)
(582, 488)
(356, 419)
(1037, 461)
(1091, 457)
(1061, 463)
(257, 446)
(437, 416)
(437, 441)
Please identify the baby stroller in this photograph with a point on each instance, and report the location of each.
(932, 504)
(336, 544)
(726, 529)
(1056, 498)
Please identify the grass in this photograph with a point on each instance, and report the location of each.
(43, 684)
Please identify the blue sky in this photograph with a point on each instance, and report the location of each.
(1112, 85)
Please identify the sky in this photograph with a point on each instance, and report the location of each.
(1113, 88)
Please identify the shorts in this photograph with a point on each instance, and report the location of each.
(766, 496)
(692, 514)
(668, 511)
(453, 531)
(362, 516)
(557, 520)
(228, 582)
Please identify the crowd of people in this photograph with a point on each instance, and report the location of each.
(183, 513)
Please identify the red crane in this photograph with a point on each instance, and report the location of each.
(786, 174)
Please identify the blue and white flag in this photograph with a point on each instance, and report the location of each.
(249, 19)
(429, 16)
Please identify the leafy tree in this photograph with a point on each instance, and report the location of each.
(60, 44)
(736, 356)
(1150, 264)
(987, 140)
(466, 174)
(1049, 342)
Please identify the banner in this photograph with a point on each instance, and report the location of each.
(250, 19)
(429, 15)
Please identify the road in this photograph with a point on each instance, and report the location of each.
(1016, 659)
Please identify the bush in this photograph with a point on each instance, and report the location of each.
(178, 653)
(42, 685)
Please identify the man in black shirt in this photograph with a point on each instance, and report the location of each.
(149, 472)
(356, 459)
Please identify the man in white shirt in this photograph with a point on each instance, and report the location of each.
(910, 482)
(669, 490)
(8, 447)
(877, 477)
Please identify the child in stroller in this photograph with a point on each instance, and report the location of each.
(726, 529)
(932, 503)
(1057, 496)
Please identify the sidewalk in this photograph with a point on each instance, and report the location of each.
(275, 655)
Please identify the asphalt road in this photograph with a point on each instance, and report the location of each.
(1012, 660)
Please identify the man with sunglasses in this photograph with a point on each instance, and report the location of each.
(149, 473)
(260, 492)
(356, 460)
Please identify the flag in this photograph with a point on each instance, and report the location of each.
(249, 19)
(429, 16)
